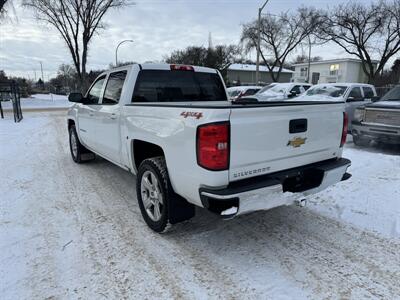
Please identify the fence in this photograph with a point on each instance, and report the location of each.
(9, 91)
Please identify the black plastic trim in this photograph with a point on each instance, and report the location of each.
(298, 125)
(234, 106)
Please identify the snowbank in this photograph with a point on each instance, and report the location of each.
(41, 101)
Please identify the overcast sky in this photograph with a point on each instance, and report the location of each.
(156, 26)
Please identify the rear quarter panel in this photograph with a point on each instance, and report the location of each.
(176, 135)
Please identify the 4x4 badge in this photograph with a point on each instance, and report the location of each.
(193, 114)
(296, 142)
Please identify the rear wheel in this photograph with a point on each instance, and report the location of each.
(158, 202)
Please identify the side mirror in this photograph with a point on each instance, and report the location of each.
(292, 94)
(76, 97)
(375, 98)
(353, 99)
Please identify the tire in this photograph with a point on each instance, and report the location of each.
(76, 148)
(158, 203)
(360, 141)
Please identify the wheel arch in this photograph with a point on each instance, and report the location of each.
(142, 150)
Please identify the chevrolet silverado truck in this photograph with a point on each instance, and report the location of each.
(378, 121)
(174, 128)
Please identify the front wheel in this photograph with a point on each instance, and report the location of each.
(361, 142)
(77, 149)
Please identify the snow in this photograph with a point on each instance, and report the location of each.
(371, 198)
(75, 231)
(41, 101)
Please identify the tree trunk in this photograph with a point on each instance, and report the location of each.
(85, 83)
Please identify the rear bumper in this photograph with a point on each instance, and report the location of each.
(276, 189)
(389, 134)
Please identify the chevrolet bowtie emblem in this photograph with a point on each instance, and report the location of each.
(296, 142)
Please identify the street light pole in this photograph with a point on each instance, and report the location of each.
(116, 50)
(259, 42)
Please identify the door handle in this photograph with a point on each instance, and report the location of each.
(113, 116)
(91, 114)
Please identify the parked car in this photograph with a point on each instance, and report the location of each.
(237, 92)
(174, 127)
(379, 121)
(282, 91)
(267, 87)
(354, 94)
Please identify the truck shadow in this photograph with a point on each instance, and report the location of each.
(376, 147)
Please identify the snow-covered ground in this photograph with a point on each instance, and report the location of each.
(41, 101)
(75, 231)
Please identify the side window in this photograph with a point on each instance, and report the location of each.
(250, 92)
(368, 92)
(296, 89)
(93, 96)
(114, 86)
(355, 93)
(306, 87)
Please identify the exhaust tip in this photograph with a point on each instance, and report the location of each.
(301, 202)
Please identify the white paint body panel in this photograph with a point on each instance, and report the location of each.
(259, 135)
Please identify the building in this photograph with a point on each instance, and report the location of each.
(331, 71)
(245, 74)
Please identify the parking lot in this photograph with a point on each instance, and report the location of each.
(75, 231)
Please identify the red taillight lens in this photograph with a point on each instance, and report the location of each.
(213, 146)
(345, 127)
(181, 68)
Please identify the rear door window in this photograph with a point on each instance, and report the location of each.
(113, 90)
(368, 92)
(178, 86)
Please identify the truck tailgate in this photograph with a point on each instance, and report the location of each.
(262, 142)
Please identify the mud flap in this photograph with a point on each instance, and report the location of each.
(180, 210)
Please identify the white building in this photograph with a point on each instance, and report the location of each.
(331, 71)
(245, 74)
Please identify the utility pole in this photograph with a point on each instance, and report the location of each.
(41, 69)
(259, 42)
(116, 50)
(309, 59)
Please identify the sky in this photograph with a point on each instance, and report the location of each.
(157, 27)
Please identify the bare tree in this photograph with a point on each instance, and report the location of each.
(7, 10)
(365, 31)
(76, 21)
(2, 3)
(219, 57)
(280, 36)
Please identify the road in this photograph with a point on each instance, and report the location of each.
(71, 231)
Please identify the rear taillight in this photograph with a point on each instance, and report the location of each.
(213, 146)
(344, 131)
(181, 68)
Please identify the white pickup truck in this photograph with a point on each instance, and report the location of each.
(173, 127)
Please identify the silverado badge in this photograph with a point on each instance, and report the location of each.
(296, 142)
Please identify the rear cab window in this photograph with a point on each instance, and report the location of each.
(178, 86)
